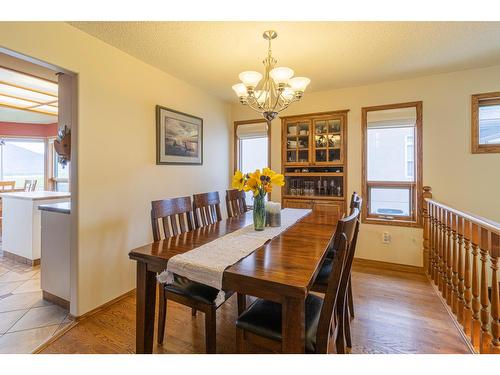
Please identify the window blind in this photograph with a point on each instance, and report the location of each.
(246, 131)
(392, 118)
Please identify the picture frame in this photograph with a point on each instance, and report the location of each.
(179, 138)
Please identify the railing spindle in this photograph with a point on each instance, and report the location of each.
(467, 279)
(454, 250)
(442, 283)
(485, 337)
(461, 286)
(426, 232)
(476, 305)
(436, 247)
(449, 261)
(495, 298)
(444, 259)
(431, 242)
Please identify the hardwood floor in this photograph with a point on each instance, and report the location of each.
(396, 312)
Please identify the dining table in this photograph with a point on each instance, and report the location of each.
(281, 270)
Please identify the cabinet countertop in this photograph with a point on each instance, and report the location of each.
(36, 195)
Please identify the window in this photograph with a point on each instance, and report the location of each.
(22, 159)
(485, 123)
(58, 178)
(252, 139)
(61, 176)
(392, 175)
(409, 157)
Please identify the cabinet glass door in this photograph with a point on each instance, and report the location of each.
(328, 141)
(297, 142)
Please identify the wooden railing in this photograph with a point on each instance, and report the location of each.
(461, 254)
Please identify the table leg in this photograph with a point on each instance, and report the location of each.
(293, 310)
(145, 309)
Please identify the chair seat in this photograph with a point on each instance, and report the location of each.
(264, 319)
(324, 272)
(196, 291)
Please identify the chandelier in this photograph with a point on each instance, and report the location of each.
(273, 92)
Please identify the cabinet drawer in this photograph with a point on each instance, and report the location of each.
(297, 203)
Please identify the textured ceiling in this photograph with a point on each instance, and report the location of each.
(210, 55)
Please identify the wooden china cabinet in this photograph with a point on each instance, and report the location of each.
(314, 161)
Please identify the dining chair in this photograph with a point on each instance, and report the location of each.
(176, 217)
(235, 202)
(321, 282)
(30, 185)
(261, 323)
(206, 209)
(7, 185)
(356, 202)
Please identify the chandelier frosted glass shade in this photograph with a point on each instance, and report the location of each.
(250, 79)
(281, 75)
(240, 89)
(299, 83)
(273, 91)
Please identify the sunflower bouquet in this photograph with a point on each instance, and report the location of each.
(259, 183)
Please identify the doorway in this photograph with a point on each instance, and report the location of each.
(37, 205)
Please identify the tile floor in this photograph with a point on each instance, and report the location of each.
(26, 320)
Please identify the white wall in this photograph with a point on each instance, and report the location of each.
(457, 177)
(117, 174)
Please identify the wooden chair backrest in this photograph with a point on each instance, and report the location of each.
(338, 279)
(175, 214)
(7, 185)
(206, 208)
(30, 185)
(356, 202)
(235, 202)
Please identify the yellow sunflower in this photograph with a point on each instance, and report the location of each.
(278, 179)
(256, 175)
(268, 172)
(252, 185)
(238, 180)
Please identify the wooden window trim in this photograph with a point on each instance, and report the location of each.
(236, 152)
(489, 98)
(416, 195)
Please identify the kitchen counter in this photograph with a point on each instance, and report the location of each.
(36, 195)
(56, 252)
(21, 223)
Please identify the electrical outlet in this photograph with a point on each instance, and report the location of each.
(386, 238)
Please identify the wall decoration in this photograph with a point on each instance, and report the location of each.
(179, 137)
(62, 145)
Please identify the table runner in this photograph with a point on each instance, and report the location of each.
(206, 264)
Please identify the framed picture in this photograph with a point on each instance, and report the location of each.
(179, 137)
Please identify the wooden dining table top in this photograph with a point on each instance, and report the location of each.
(290, 260)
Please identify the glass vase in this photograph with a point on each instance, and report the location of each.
(259, 212)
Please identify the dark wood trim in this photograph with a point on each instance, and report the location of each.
(21, 259)
(102, 307)
(387, 266)
(55, 300)
(158, 123)
(416, 219)
(489, 98)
